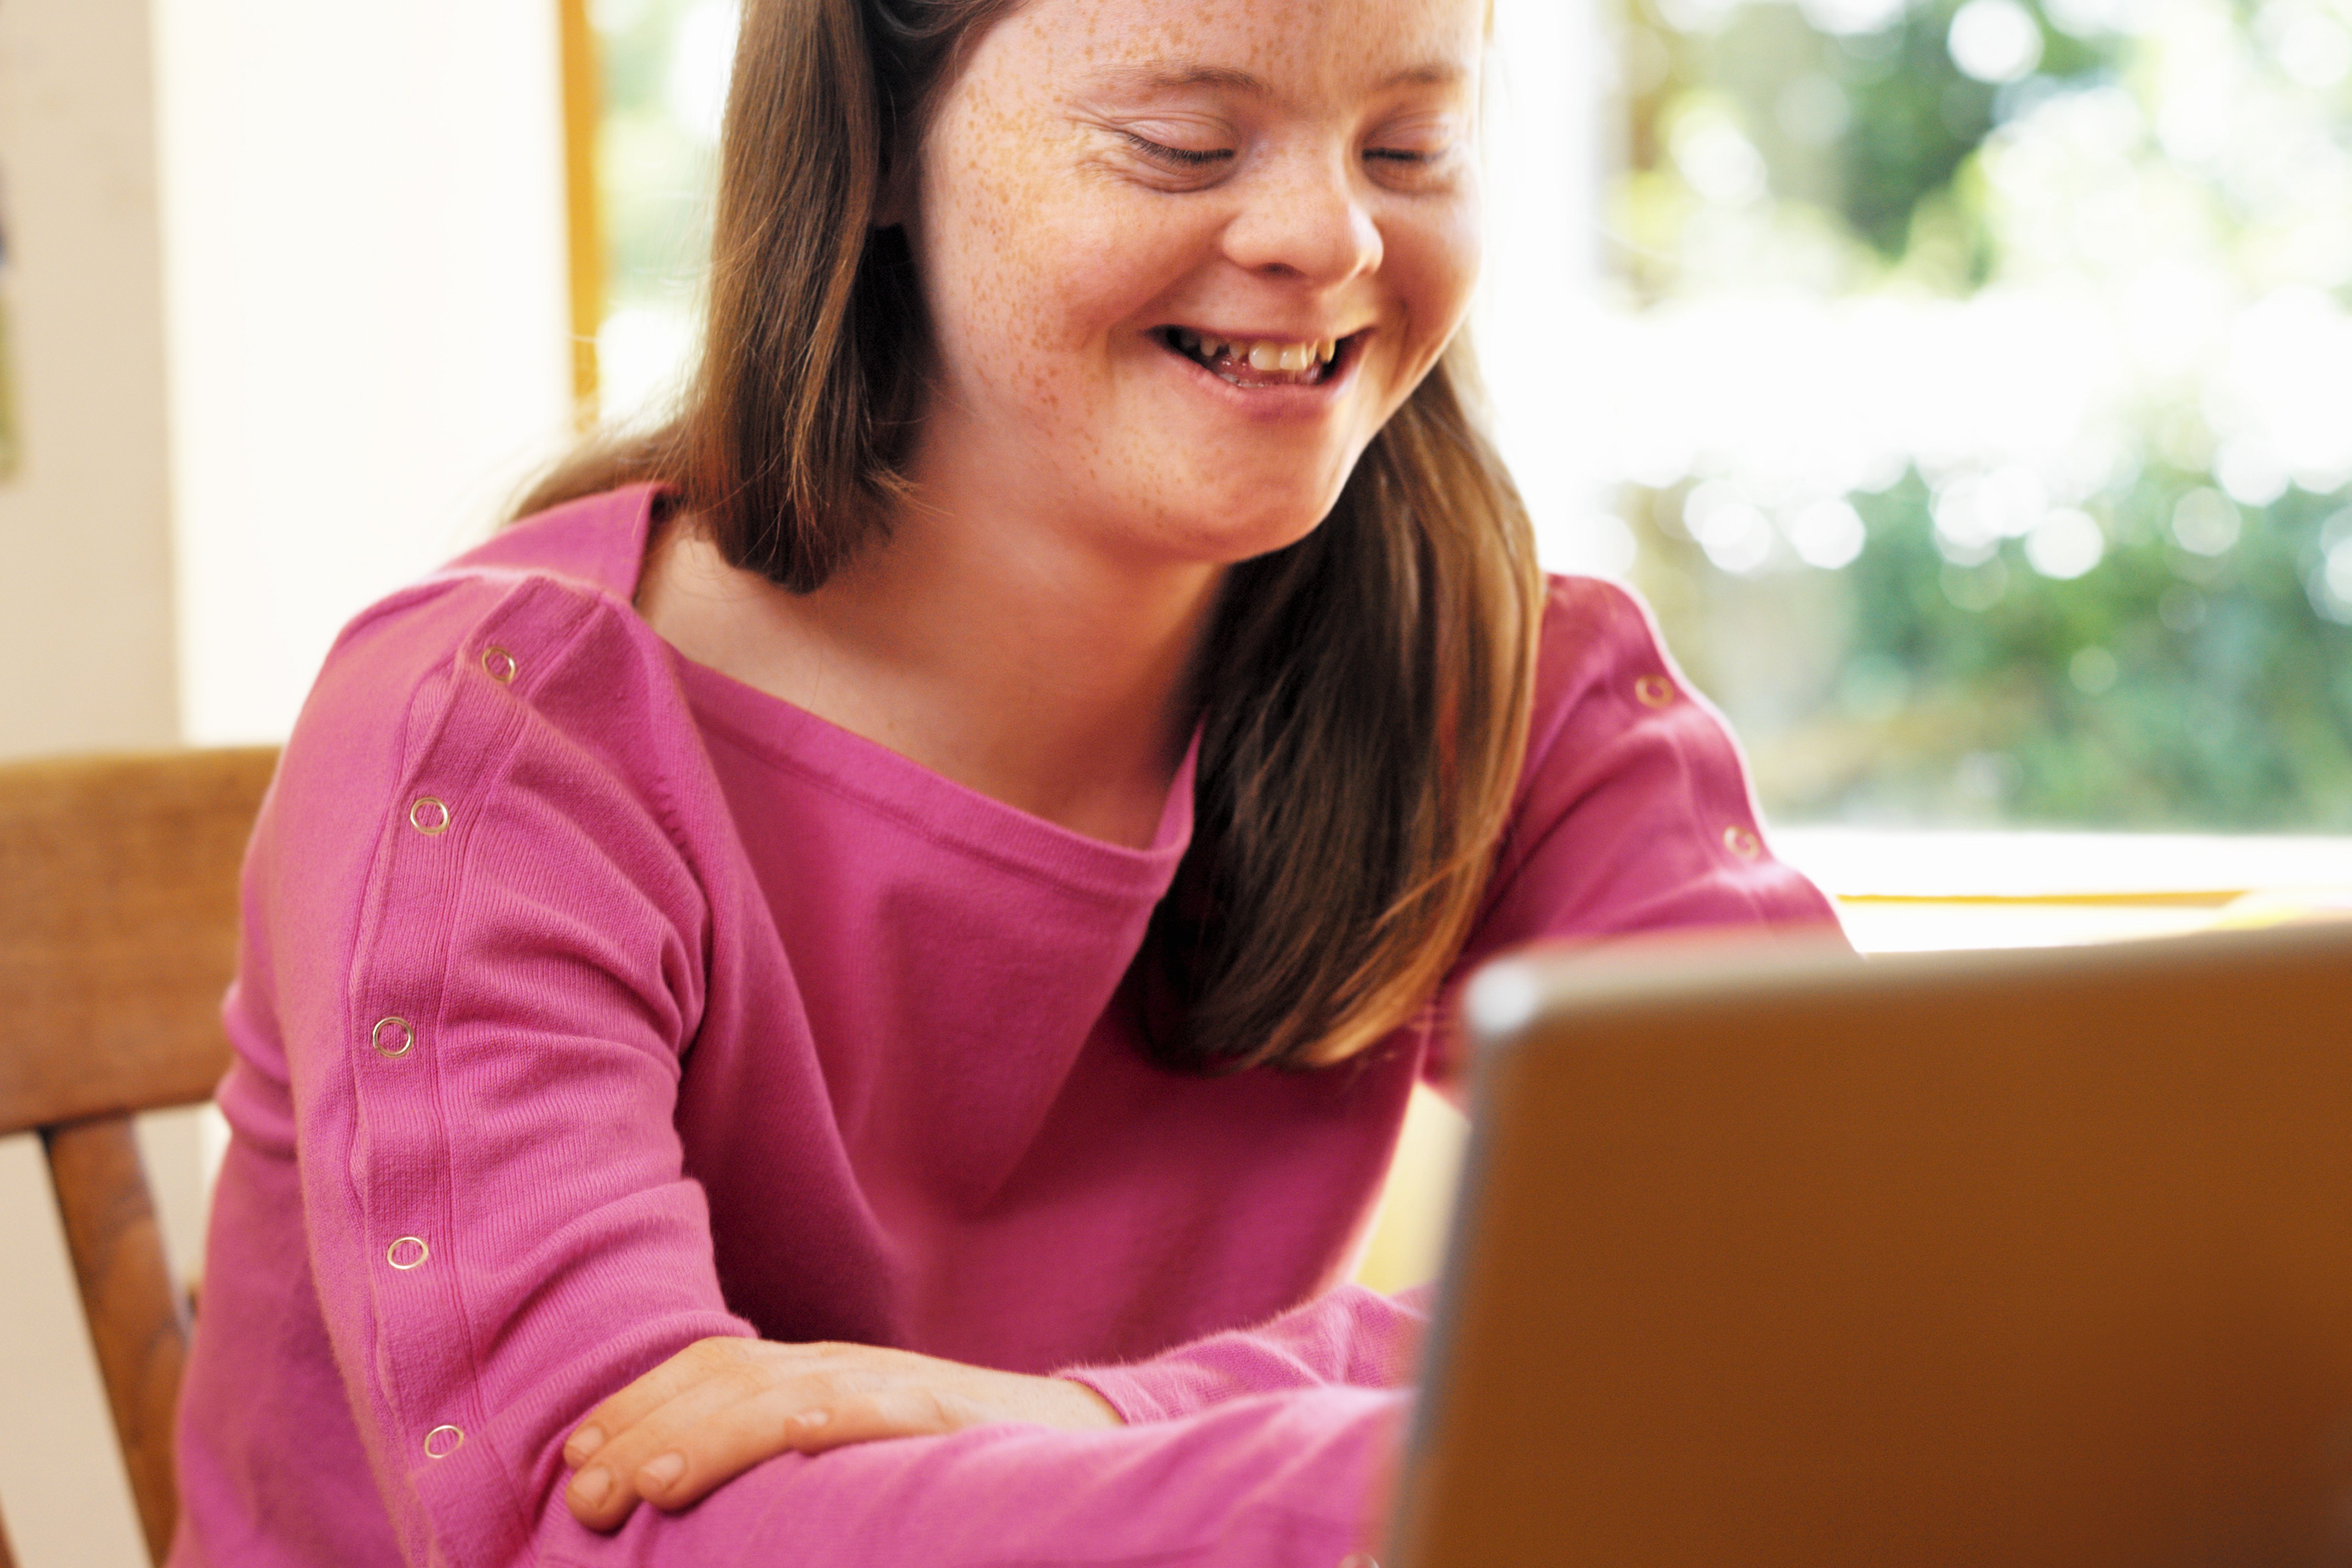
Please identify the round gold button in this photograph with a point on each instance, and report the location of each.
(442, 1442)
(392, 1037)
(1655, 691)
(409, 1252)
(499, 665)
(429, 816)
(1741, 842)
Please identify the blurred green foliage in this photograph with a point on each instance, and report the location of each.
(2165, 687)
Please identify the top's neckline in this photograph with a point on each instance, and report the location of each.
(604, 538)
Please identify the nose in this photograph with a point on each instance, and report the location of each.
(1305, 218)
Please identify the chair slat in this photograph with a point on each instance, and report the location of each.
(117, 929)
(117, 936)
(136, 1321)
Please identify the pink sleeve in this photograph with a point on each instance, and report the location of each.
(1351, 1338)
(1634, 813)
(489, 954)
(1290, 1480)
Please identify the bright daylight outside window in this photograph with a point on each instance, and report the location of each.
(1984, 410)
(1969, 390)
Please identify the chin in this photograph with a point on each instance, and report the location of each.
(1253, 510)
(1239, 531)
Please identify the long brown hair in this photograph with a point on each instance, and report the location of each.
(1365, 691)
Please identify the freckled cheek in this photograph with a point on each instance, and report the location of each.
(1433, 265)
(1055, 282)
(1441, 259)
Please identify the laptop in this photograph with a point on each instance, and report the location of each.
(2020, 1257)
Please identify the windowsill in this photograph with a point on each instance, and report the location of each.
(1908, 892)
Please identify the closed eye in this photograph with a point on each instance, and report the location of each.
(1182, 157)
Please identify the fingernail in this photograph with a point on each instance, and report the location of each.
(814, 1417)
(591, 1486)
(663, 1470)
(584, 1442)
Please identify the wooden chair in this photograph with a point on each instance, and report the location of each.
(117, 936)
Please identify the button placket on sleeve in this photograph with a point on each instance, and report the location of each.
(395, 1038)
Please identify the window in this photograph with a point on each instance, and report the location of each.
(1981, 414)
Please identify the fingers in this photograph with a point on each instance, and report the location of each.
(608, 1448)
(743, 1410)
(647, 1394)
(677, 1452)
(722, 1406)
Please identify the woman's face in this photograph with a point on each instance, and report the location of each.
(1184, 257)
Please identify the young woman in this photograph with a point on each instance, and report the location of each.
(909, 904)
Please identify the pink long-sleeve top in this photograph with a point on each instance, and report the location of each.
(592, 1004)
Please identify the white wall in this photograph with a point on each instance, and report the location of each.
(84, 572)
(286, 309)
(365, 230)
(85, 633)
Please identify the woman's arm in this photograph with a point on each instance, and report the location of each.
(1290, 1480)
(1634, 814)
(1351, 1338)
(722, 1406)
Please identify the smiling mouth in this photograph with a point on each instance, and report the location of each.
(1257, 362)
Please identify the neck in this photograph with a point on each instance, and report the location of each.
(1015, 658)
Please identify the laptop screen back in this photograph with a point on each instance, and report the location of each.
(2013, 1258)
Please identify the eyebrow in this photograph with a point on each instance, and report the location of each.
(1436, 74)
(1162, 79)
(1165, 78)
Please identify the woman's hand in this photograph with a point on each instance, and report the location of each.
(721, 1405)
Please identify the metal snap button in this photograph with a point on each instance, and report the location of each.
(429, 816)
(499, 665)
(392, 1037)
(409, 1252)
(442, 1442)
(1741, 842)
(1655, 691)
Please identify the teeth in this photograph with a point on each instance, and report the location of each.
(1263, 355)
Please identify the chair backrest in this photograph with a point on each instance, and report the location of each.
(117, 935)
